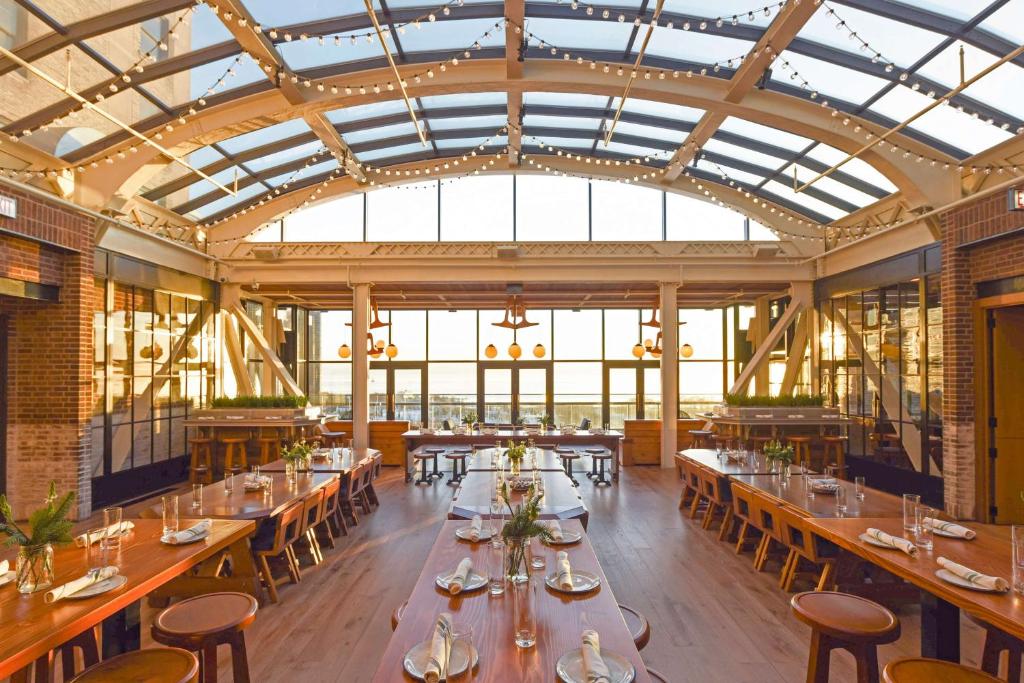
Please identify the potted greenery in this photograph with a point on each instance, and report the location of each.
(296, 458)
(518, 530)
(470, 420)
(797, 405)
(516, 453)
(545, 422)
(50, 527)
(779, 457)
(260, 407)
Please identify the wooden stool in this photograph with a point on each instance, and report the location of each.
(270, 447)
(801, 449)
(330, 439)
(657, 677)
(849, 622)
(201, 468)
(835, 445)
(921, 670)
(996, 641)
(757, 442)
(638, 626)
(458, 461)
(600, 459)
(700, 437)
(396, 616)
(423, 457)
(568, 458)
(235, 459)
(202, 623)
(153, 665)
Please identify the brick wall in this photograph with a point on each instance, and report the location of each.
(963, 267)
(50, 350)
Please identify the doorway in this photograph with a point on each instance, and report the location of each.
(632, 391)
(1005, 337)
(396, 390)
(513, 392)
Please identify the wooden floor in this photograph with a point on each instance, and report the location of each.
(712, 617)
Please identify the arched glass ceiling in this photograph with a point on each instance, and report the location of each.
(878, 59)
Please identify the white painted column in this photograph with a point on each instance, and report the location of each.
(360, 366)
(669, 371)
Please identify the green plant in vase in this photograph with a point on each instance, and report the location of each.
(516, 453)
(297, 456)
(49, 527)
(521, 526)
(778, 456)
(469, 419)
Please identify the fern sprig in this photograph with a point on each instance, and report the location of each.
(49, 524)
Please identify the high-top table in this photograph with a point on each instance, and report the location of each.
(611, 440)
(561, 498)
(561, 619)
(340, 461)
(30, 628)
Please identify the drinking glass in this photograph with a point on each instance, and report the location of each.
(197, 496)
(112, 517)
(169, 504)
(922, 531)
(858, 487)
(841, 499)
(809, 485)
(524, 612)
(96, 547)
(1017, 536)
(229, 484)
(461, 642)
(537, 559)
(496, 566)
(910, 503)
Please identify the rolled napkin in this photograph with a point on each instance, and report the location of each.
(992, 583)
(896, 542)
(950, 528)
(72, 587)
(762, 416)
(440, 644)
(564, 570)
(458, 580)
(555, 529)
(475, 526)
(186, 535)
(594, 668)
(5, 566)
(114, 529)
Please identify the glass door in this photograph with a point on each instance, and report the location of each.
(396, 391)
(515, 392)
(632, 391)
(496, 391)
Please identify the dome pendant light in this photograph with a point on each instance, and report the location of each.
(344, 351)
(686, 351)
(515, 351)
(639, 350)
(391, 351)
(539, 351)
(491, 351)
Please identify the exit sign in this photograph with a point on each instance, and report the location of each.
(8, 207)
(1017, 200)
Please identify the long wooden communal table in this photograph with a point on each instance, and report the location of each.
(794, 494)
(29, 628)
(561, 619)
(744, 425)
(709, 460)
(561, 498)
(218, 503)
(480, 461)
(612, 440)
(989, 552)
(341, 461)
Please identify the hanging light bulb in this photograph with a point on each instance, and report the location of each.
(491, 351)
(391, 351)
(648, 344)
(344, 351)
(638, 350)
(380, 344)
(515, 351)
(686, 351)
(539, 351)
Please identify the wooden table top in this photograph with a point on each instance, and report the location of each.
(581, 437)
(560, 619)
(795, 421)
(708, 459)
(341, 461)
(989, 553)
(875, 504)
(29, 628)
(547, 460)
(242, 504)
(561, 499)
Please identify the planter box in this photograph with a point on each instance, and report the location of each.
(310, 412)
(753, 412)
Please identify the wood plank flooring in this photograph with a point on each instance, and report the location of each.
(712, 617)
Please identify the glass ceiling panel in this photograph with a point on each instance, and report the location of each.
(632, 150)
(655, 132)
(565, 143)
(456, 123)
(833, 187)
(956, 9)
(305, 54)
(734, 173)
(722, 8)
(187, 86)
(829, 79)
(766, 134)
(801, 199)
(495, 143)
(398, 4)
(86, 73)
(201, 157)
(294, 154)
(533, 120)
(18, 26)
(857, 168)
(1000, 89)
(568, 34)
(366, 111)
(71, 12)
(742, 153)
(972, 135)
(225, 177)
(897, 41)
(312, 171)
(388, 152)
(380, 132)
(452, 35)
(663, 109)
(264, 136)
(277, 13)
(471, 99)
(227, 201)
(1007, 21)
(694, 46)
(634, 4)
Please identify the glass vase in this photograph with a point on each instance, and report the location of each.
(517, 559)
(516, 465)
(289, 471)
(34, 570)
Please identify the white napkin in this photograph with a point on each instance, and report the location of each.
(474, 528)
(72, 587)
(458, 580)
(950, 528)
(992, 583)
(186, 535)
(114, 529)
(440, 643)
(896, 542)
(555, 529)
(564, 570)
(594, 668)
(5, 566)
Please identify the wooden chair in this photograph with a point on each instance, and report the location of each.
(270, 447)
(848, 622)
(801, 448)
(202, 623)
(803, 545)
(834, 447)
(201, 466)
(277, 542)
(744, 509)
(312, 515)
(996, 642)
(235, 457)
(691, 473)
(153, 665)
(715, 490)
(767, 514)
(365, 473)
(638, 626)
(347, 499)
(921, 670)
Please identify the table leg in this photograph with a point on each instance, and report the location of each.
(940, 628)
(122, 631)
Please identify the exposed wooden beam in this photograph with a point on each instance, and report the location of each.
(515, 14)
(332, 139)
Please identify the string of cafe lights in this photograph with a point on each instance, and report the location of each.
(338, 38)
(702, 25)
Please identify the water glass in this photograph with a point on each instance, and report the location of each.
(858, 488)
(809, 485)
(169, 504)
(96, 547)
(1017, 536)
(496, 566)
(229, 484)
(197, 496)
(524, 612)
(537, 559)
(910, 503)
(841, 499)
(922, 531)
(461, 650)
(112, 517)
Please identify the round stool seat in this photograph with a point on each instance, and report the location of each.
(701, 432)
(846, 617)
(799, 439)
(453, 455)
(434, 450)
(921, 670)
(655, 676)
(424, 456)
(196, 619)
(761, 438)
(153, 665)
(568, 456)
(829, 438)
(234, 439)
(396, 616)
(201, 440)
(638, 626)
(269, 438)
(604, 455)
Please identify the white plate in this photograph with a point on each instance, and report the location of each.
(874, 541)
(568, 538)
(570, 667)
(99, 588)
(485, 533)
(6, 578)
(415, 660)
(582, 582)
(952, 578)
(474, 581)
(198, 537)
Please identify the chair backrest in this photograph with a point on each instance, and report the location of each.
(350, 487)
(794, 531)
(584, 423)
(744, 504)
(691, 475)
(312, 507)
(331, 493)
(376, 461)
(446, 425)
(289, 527)
(767, 516)
(712, 487)
(365, 475)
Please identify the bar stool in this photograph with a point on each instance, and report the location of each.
(276, 541)
(270, 447)
(849, 622)
(922, 670)
(757, 442)
(600, 457)
(201, 467)
(801, 448)
(996, 641)
(700, 437)
(153, 665)
(568, 457)
(202, 623)
(723, 441)
(423, 458)
(835, 445)
(458, 461)
(638, 626)
(235, 458)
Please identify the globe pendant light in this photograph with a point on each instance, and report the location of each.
(515, 351)
(344, 351)
(686, 351)
(491, 351)
(539, 351)
(391, 351)
(638, 350)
